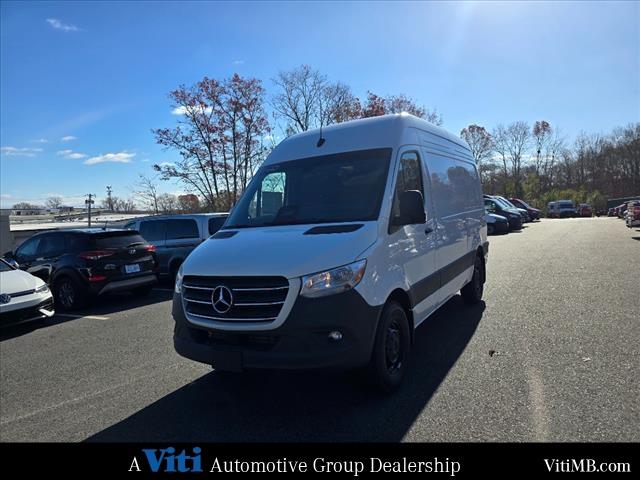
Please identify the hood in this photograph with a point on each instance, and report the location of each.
(512, 211)
(18, 281)
(493, 218)
(283, 250)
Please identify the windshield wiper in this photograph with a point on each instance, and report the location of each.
(135, 244)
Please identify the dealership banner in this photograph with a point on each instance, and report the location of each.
(459, 460)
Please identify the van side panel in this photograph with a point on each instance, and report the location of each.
(459, 207)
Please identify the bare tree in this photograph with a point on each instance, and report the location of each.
(518, 138)
(147, 192)
(26, 206)
(121, 205)
(479, 141)
(499, 136)
(167, 203)
(299, 97)
(54, 202)
(377, 105)
(188, 203)
(338, 104)
(219, 137)
(541, 136)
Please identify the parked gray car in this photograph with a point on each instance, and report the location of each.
(175, 236)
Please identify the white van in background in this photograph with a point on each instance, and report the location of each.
(345, 241)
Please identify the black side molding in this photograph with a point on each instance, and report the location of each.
(485, 247)
(223, 234)
(324, 229)
(434, 282)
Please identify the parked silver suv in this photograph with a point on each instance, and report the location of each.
(175, 236)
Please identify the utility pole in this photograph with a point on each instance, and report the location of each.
(109, 200)
(89, 202)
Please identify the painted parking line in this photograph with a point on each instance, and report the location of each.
(90, 317)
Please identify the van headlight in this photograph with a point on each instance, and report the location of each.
(333, 281)
(178, 286)
(42, 288)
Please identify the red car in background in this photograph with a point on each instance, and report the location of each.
(584, 210)
(534, 213)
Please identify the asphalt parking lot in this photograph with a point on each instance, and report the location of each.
(551, 355)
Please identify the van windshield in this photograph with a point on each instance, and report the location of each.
(343, 187)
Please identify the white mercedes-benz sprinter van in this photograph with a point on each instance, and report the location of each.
(344, 242)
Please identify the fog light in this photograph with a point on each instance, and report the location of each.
(335, 335)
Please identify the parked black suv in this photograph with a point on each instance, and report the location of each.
(84, 263)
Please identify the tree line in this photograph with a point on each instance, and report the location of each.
(537, 163)
(225, 133)
(226, 127)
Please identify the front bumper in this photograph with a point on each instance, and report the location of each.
(301, 342)
(501, 227)
(41, 310)
(515, 223)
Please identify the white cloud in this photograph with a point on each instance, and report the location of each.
(68, 138)
(58, 25)
(167, 164)
(20, 152)
(120, 157)
(182, 110)
(238, 62)
(6, 196)
(40, 140)
(70, 154)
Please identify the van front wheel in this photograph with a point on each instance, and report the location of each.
(391, 349)
(472, 291)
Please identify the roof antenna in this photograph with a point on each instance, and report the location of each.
(321, 140)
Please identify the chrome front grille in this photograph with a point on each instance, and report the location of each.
(255, 299)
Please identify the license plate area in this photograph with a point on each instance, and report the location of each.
(133, 268)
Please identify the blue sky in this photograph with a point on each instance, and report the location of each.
(97, 74)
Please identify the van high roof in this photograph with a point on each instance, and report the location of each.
(386, 131)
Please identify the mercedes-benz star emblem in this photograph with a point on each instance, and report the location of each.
(221, 299)
(4, 299)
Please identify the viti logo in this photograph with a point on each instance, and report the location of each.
(166, 460)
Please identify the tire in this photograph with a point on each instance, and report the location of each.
(142, 291)
(472, 291)
(390, 355)
(68, 294)
(490, 229)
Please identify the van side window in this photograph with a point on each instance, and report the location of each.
(409, 178)
(153, 230)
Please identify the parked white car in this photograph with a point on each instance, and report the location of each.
(23, 297)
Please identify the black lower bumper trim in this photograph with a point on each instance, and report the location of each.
(302, 342)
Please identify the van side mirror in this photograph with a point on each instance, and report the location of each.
(411, 206)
